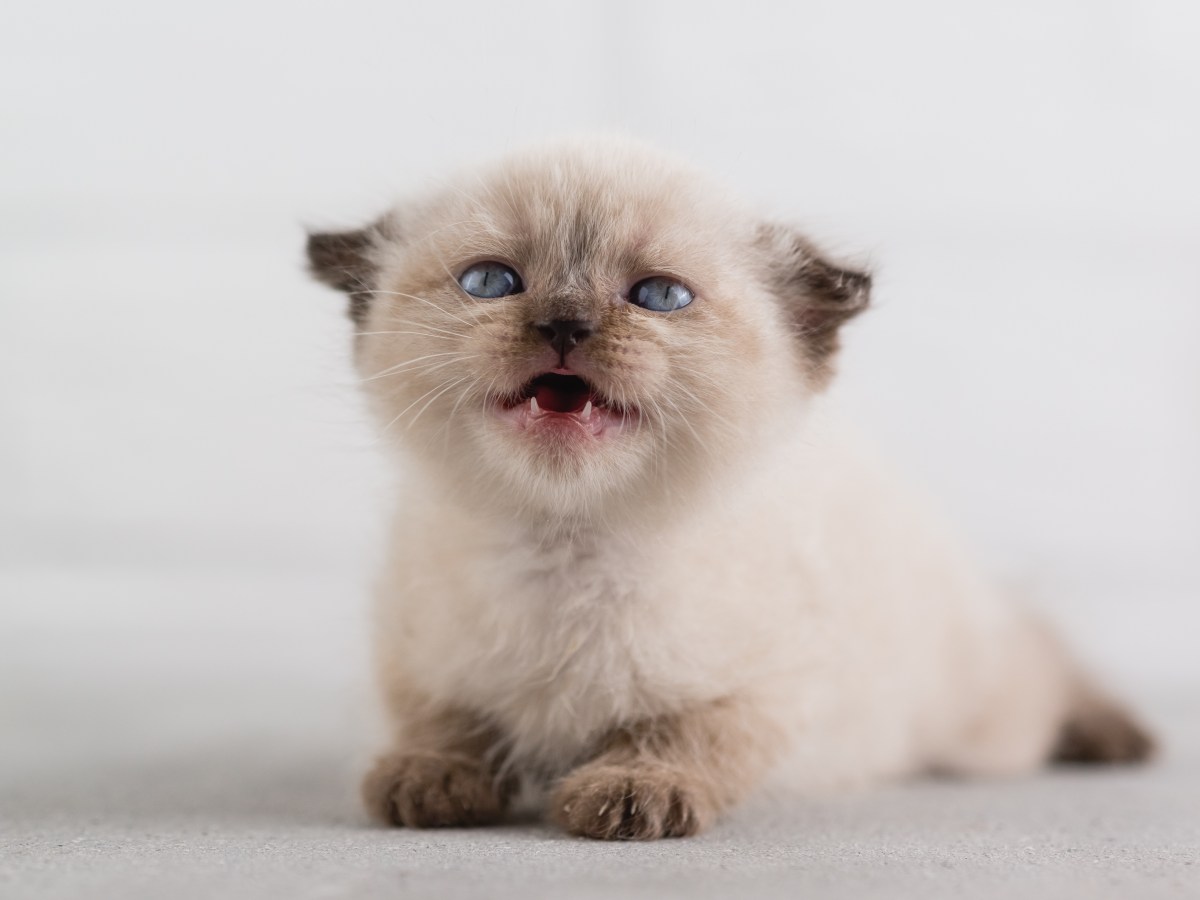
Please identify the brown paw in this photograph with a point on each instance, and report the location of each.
(1103, 735)
(430, 791)
(627, 803)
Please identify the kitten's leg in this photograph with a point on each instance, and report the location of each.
(667, 777)
(441, 773)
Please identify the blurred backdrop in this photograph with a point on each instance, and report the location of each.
(190, 495)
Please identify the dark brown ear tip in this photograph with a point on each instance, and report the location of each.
(836, 285)
(339, 258)
(314, 243)
(327, 248)
(314, 251)
(855, 284)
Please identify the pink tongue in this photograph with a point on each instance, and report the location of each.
(549, 398)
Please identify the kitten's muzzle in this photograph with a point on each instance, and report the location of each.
(564, 335)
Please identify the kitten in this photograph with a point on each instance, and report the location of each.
(634, 560)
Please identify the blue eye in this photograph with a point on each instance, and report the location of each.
(660, 294)
(490, 280)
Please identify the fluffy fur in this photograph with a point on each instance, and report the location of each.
(717, 586)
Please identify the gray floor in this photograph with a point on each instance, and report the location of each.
(268, 821)
(180, 741)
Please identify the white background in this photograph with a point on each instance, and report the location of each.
(185, 470)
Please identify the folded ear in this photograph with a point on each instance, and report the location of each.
(818, 294)
(344, 260)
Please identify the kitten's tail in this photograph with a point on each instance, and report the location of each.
(1100, 730)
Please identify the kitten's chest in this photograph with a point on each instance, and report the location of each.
(566, 618)
(559, 645)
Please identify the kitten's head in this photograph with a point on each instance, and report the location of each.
(586, 330)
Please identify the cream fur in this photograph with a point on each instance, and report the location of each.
(811, 585)
(730, 584)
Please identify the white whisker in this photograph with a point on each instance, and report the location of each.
(408, 363)
(402, 412)
(432, 399)
(428, 334)
(440, 309)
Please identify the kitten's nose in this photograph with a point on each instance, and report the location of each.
(565, 334)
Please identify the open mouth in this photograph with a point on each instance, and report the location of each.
(558, 399)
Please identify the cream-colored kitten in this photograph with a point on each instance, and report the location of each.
(634, 560)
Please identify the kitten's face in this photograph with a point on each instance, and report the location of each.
(584, 331)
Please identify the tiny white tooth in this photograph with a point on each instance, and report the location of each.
(533, 407)
(587, 411)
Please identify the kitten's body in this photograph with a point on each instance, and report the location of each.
(655, 617)
(877, 662)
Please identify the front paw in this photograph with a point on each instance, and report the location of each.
(431, 791)
(628, 802)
